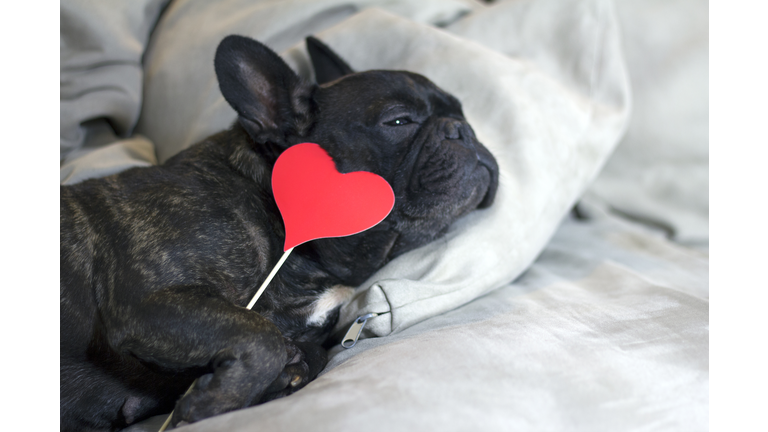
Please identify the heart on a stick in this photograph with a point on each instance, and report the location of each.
(317, 201)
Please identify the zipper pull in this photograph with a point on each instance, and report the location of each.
(350, 339)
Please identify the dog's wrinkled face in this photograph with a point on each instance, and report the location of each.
(393, 123)
(403, 127)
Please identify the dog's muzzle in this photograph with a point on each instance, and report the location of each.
(460, 131)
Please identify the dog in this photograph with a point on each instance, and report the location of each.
(157, 263)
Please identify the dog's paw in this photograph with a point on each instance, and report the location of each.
(199, 403)
(204, 400)
(305, 361)
(238, 379)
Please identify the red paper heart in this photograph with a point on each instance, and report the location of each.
(317, 201)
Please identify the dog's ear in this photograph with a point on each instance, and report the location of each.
(328, 65)
(271, 100)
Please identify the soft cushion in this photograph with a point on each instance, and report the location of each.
(550, 111)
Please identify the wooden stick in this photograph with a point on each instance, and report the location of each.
(269, 278)
(250, 306)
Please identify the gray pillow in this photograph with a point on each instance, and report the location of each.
(551, 110)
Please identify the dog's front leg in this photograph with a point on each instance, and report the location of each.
(307, 360)
(192, 327)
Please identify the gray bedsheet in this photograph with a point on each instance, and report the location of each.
(523, 317)
(606, 331)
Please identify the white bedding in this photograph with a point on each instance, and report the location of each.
(603, 326)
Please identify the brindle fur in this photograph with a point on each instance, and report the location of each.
(157, 263)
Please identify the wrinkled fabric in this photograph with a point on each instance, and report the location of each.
(183, 104)
(607, 330)
(117, 81)
(603, 326)
(659, 173)
(101, 48)
(550, 137)
(108, 159)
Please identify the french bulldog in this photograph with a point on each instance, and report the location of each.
(158, 263)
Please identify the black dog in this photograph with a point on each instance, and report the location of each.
(157, 263)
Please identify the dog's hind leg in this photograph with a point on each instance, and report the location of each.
(194, 327)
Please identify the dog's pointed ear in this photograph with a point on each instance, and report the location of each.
(271, 100)
(328, 65)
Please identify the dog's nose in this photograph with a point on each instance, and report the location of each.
(453, 130)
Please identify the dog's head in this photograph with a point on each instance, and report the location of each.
(393, 123)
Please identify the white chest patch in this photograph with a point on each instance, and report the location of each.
(333, 297)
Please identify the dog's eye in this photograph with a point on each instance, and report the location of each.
(399, 121)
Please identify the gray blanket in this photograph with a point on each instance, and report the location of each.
(605, 330)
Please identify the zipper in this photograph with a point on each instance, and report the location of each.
(353, 334)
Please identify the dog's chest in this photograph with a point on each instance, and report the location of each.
(327, 302)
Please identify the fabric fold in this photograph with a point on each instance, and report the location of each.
(550, 138)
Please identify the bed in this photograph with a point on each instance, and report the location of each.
(578, 301)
